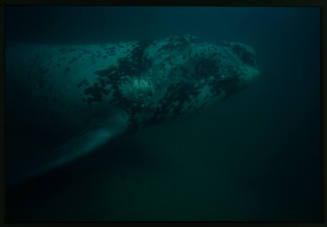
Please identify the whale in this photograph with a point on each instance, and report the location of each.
(97, 92)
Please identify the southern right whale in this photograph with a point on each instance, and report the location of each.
(97, 92)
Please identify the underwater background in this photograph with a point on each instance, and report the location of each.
(253, 157)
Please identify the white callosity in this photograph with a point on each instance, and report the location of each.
(137, 89)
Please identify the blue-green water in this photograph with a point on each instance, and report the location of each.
(254, 157)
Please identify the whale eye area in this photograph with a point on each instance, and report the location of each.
(245, 53)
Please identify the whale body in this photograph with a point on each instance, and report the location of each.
(96, 92)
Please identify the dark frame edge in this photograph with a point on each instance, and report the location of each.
(251, 3)
(323, 86)
(2, 101)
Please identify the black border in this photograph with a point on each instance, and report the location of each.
(166, 2)
(267, 3)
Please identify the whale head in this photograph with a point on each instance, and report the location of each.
(174, 76)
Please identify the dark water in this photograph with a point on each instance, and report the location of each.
(254, 157)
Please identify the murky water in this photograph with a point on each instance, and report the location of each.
(254, 157)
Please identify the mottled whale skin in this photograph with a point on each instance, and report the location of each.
(99, 91)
